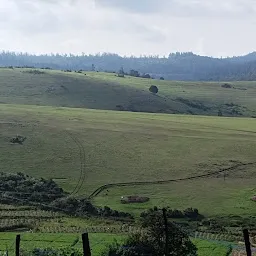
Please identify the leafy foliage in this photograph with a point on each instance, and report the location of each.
(18, 139)
(83, 207)
(177, 66)
(189, 213)
(134, 73)
(153, 89)
(53, 252)
(27, 188)
(152, 240)
(23, 189)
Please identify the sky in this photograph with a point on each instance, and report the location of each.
(129, 27)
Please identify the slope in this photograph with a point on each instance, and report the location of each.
(94, 147)
(107, 91)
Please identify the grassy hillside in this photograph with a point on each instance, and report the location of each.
(92, 148)
(107, 91)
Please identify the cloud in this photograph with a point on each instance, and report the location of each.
(185, 8)
(141, 6)
(128, 27)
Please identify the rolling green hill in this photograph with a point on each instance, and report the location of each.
(91, 134)
(96, 147)
(107, 91)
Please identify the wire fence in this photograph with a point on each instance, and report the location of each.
(98, 242)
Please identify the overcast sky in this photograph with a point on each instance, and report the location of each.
(129, 27)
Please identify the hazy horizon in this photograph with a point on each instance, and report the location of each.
(148, 27)
(114, 53)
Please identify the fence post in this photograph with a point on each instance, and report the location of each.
(17, 251)
(247, 242)
(86, 244)
(166, 232)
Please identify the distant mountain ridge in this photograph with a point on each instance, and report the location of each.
(177, 66)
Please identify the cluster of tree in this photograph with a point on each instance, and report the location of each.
(15, 187)
(157, 238)
(134, 73)
(153, 89)
(83, 207)
(23, 189)
(177, 66)
(189, 213)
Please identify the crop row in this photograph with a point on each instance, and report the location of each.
(29, 213)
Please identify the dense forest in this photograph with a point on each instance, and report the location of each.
(177, 66)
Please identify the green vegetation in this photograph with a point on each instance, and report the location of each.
(177, 66)
(21, 189)
(30, 189)
(108, 147)
(98, 242)
(190, 213)
(211, 248)
(29, 241)
(107, 91)
(72, 132)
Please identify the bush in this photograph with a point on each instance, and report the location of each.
(34, 72)
(53, 252)
(161, 78)
(152, 240)
(120, 107)
(220, 113)
(134, 73)
(228, 86)
(153, 89)
(146, 76)
(83, 207)
(18, 139)
(189, 213)
(24, 187)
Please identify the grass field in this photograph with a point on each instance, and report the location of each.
(107, 91)
(76, 136)
(127, 147)
(98, 243)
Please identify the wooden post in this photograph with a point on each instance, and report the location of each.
(86, 244)
(247, 242)
(17, 251)
(166, 232)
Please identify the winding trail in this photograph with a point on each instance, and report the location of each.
(82, 163)
(143, 183)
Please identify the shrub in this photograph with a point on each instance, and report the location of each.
(18, 139)
(134, 73)
(53, 252)
(190, 213)
(161, 78)
(153, 89)
(146, 76)
(228, 86)
(34, 72)
(152, 240)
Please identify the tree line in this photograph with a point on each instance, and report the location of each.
(177, 66)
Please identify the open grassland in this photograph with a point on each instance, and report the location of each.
(92, 148)
(98, 243)
(107, 91)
